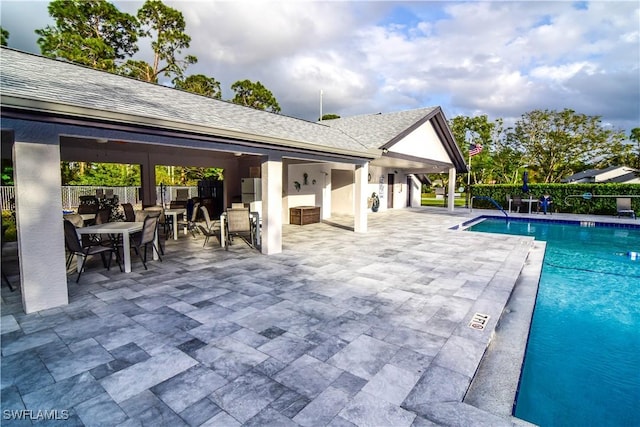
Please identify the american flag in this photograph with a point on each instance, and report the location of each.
(474, 149)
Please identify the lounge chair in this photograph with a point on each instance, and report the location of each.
(623, 206)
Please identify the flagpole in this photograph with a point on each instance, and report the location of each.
(469, 182)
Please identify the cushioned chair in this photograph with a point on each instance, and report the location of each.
(623, 206)
(75, 247)
(211, 228)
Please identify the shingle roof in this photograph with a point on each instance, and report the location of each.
(37, 78)
(376, 130)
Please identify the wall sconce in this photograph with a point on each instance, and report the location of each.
(102, 140)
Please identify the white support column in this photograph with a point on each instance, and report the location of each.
(360, 198)
(271, 205)
(452, 189)
(41, 247)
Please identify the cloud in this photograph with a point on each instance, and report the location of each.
(497, 58)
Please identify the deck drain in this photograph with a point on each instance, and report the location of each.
(479, 321)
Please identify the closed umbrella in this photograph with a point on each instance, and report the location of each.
(525, 182)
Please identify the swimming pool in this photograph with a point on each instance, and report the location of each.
(582, 363)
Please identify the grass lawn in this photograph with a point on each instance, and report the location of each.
(432, 201)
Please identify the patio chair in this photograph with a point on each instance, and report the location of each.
(623, 207)
(146, 238)
(129, 212)
(191, 223)
(75, 247)
(212, 228)
(516, 203)
(238, 224)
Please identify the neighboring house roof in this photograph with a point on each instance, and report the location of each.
(619, 174)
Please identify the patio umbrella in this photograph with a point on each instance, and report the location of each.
(525, 182)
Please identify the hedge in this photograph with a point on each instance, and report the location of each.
(560, 192)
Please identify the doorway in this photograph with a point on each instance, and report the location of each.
(390, 182)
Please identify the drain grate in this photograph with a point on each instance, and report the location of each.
(479, 321)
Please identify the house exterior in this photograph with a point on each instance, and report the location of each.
(55, 111)
(614, 174)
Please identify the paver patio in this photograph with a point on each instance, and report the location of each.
(340, 329)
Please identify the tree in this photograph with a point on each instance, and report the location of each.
(254, 95)
(89, 32)
(329, 117)
(4, 36)
(634, 157)
(166, 27)
(200, 84)
(558, 144)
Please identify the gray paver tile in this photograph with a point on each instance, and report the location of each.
(308, 376)
(364, 356)
(188, 387)
(323, 408)
(247, 395)
(368, 410)
(139, 377)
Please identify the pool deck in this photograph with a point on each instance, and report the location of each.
(341, 329)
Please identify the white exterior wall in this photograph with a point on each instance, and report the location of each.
(422, 142)
(41, 247)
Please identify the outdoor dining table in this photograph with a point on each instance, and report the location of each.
(530, 200)
(173, 213)
(124, 228)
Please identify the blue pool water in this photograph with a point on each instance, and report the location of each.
(582, 364)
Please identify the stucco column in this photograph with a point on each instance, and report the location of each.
(148, 182)
(271, 204)
(452, 189)
(41, 247)
(360, 198)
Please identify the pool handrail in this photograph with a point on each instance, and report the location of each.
(496, 204)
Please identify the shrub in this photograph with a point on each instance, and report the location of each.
(567, 198)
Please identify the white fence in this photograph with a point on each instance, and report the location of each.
(71, 194)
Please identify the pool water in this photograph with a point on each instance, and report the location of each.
(582, 363)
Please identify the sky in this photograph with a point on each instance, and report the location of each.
(496, 58)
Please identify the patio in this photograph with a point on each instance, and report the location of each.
(339, 329)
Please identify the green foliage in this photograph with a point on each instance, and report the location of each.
(166, 28)
(330, 117)
(7, 172)
(254, 95)
(4, 36)
(101, 174)
(567, 198)
(557, 144)
(90, 32)
(188, 176)
(200, 84)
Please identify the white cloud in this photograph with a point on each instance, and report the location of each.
(501, 58)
